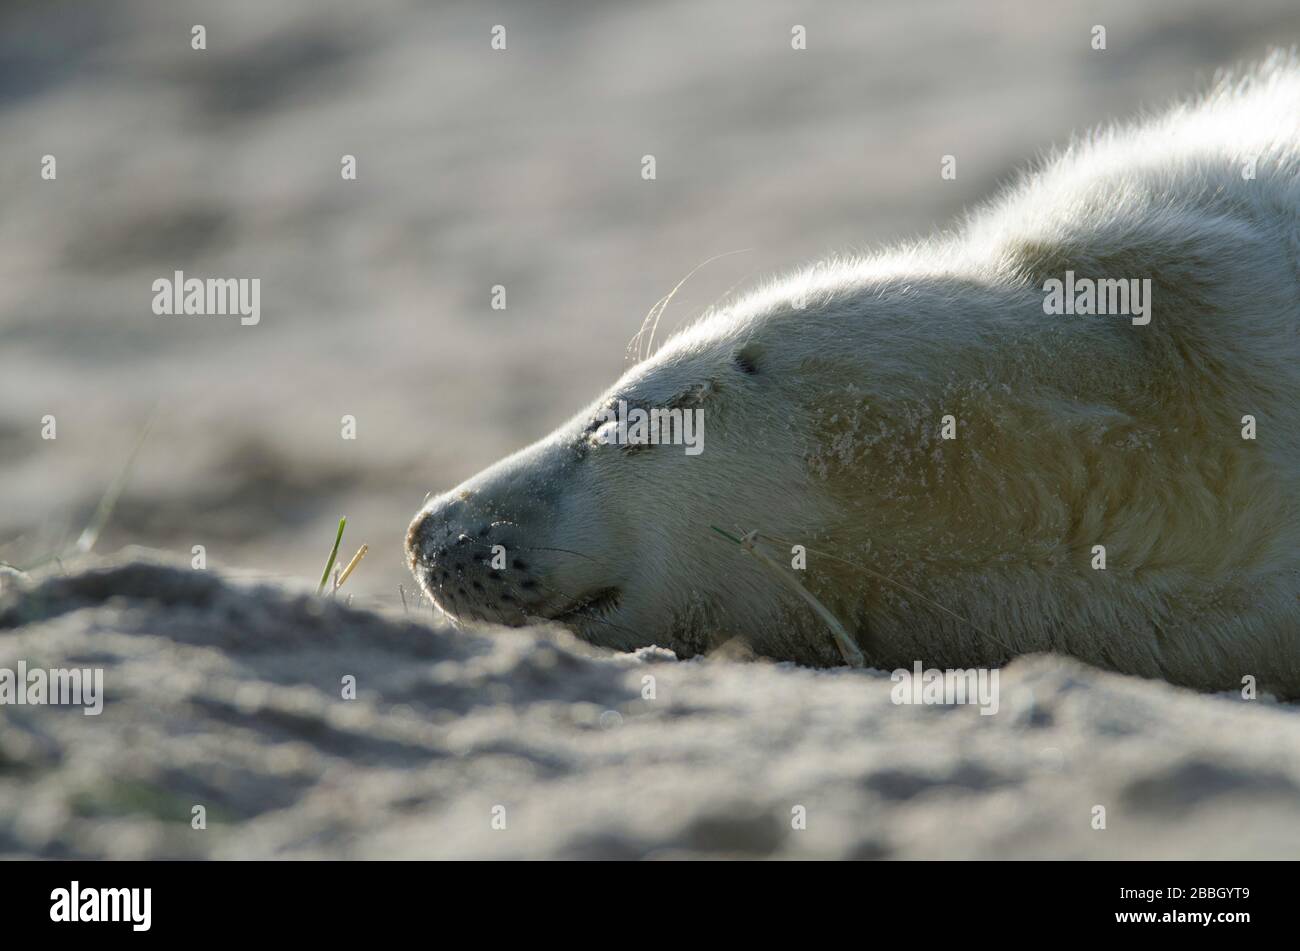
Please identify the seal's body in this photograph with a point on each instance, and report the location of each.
(935, 429)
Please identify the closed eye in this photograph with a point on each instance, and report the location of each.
(607, 426)
(693, 396)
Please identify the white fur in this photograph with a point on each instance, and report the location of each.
(1072, 432)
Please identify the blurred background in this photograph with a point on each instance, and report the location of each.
(474, 168)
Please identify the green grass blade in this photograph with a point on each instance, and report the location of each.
(334, 553)
(108, 501)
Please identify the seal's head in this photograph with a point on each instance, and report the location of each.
(604, 526)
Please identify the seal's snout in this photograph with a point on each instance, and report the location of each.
(465, 561)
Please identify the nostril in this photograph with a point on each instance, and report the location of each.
(519, 565)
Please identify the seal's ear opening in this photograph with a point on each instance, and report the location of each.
(747, 358)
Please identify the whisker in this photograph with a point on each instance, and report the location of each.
(567, 551)
(640, 334)
(655, 314)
